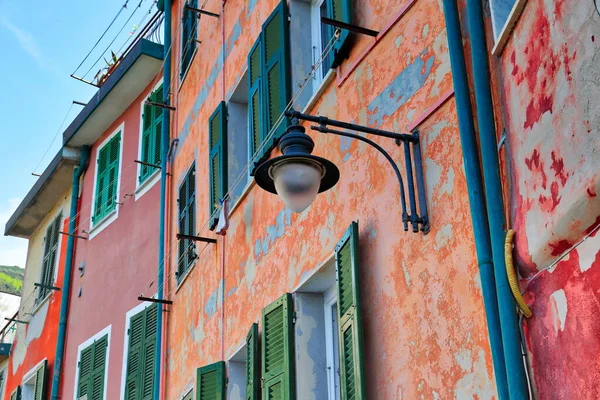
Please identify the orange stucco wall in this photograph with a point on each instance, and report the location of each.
(424, 324)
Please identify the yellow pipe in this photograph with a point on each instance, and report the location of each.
(512, 276)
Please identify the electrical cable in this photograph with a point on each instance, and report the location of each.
(54, 138)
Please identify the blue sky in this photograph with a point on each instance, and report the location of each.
(42, 42)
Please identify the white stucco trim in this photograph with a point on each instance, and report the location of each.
(31, 373)
(134, 311)
(142, 188)
(509, 26)
(82, 346)
(94, 229)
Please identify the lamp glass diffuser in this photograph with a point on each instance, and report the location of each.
(297, 182)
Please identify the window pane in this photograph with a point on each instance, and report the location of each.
(500, 12)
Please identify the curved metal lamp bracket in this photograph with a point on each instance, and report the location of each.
(419, 220)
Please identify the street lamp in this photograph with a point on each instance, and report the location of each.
(297, 176)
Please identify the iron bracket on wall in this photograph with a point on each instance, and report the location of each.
(161, 105)
(350, 27)
(199, 12)
(419, 220)
(50, 287)
(18, 321)
(73, 235)
(153, 300)
(147, 164)
(181, 236)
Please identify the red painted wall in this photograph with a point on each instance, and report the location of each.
(120, 261)
(44, 347)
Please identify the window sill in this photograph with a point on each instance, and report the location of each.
(106, 221)
(185, 276)
(185, 74)
(509, 27)
(39, 305)
(319, 92)
(147, 184)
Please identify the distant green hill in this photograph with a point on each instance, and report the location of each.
(11, 279)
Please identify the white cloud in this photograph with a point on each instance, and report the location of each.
(26, 41)
(13, 251)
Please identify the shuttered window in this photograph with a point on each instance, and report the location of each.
(252, 364)
(152, 131)
(40, 385)
(92, 366)
(49, 259)
(217, 160)
(278, 376)
(16, 394)
(189, 28)
(141, 354)
(350, 316)
(340, 10)
(269, 83)
(107, 173)
(187, 223)
(210, 382)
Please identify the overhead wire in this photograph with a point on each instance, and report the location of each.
(137, 25)
(54, 138)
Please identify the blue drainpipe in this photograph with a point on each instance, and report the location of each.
(515, 371)
(163, 192)
(66, 286)
(476, 195)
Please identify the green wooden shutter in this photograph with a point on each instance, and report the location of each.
(217, 136)
(134, 355)
(39, 391)
(188, 35)
(107, 178)
(210, 382)
(16, 394)
(278, 372)
(152, 134)
(187, 222)
(276, 71)
(252, 364)
(157, 116)
(340, 10)
(350, 316)
(113, 171)
(181, 259)
(101, 183)
(255, 111)
(98, 372)
(145, 170)
(85, 371)
(147, 373)
(49, 258)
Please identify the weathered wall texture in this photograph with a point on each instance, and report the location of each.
(425, 329)
(36, 341)
(120, 261)
(551, 86)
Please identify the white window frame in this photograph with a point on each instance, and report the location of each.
(87, 343)
(144, 187)
(502, 33)
(98, 227)
(29, 376)
(316, 41)
(238, 357)
(130, 314)
(332, 345)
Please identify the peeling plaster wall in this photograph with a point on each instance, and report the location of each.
(424, 325)
(120, 262)
(550, 86)
(37, 340)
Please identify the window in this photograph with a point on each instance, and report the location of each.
(277, 360)
(16, 394)
(239, 371)
(92, 369)
(189, 26)
(321, 35)
(210, 382)
(237, 140)
(107, 178)
(189, 395)
(187, 223)
(332, 344)
(50, 259)
(217, 160)
(141, 354)
(151, 143)
(501, 10)
(34, 383)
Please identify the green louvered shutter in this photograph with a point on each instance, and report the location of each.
(50, 255)
(340, 10)
(98, 372)
(152, 134)
(85, 371)
(350, 316)
(157, 115)
(217, 136)
(252, 364)
(210, 382)
(145, 171)
(39, 391)
(276, 71)
(182, 200)
(189, 25)
(147, 373)
(278, 372)
(187, 222)
(134, 355)
(255, 111)
(113, 170)
(101, 183)
(107, 178)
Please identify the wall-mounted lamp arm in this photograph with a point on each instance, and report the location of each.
(324, 129)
